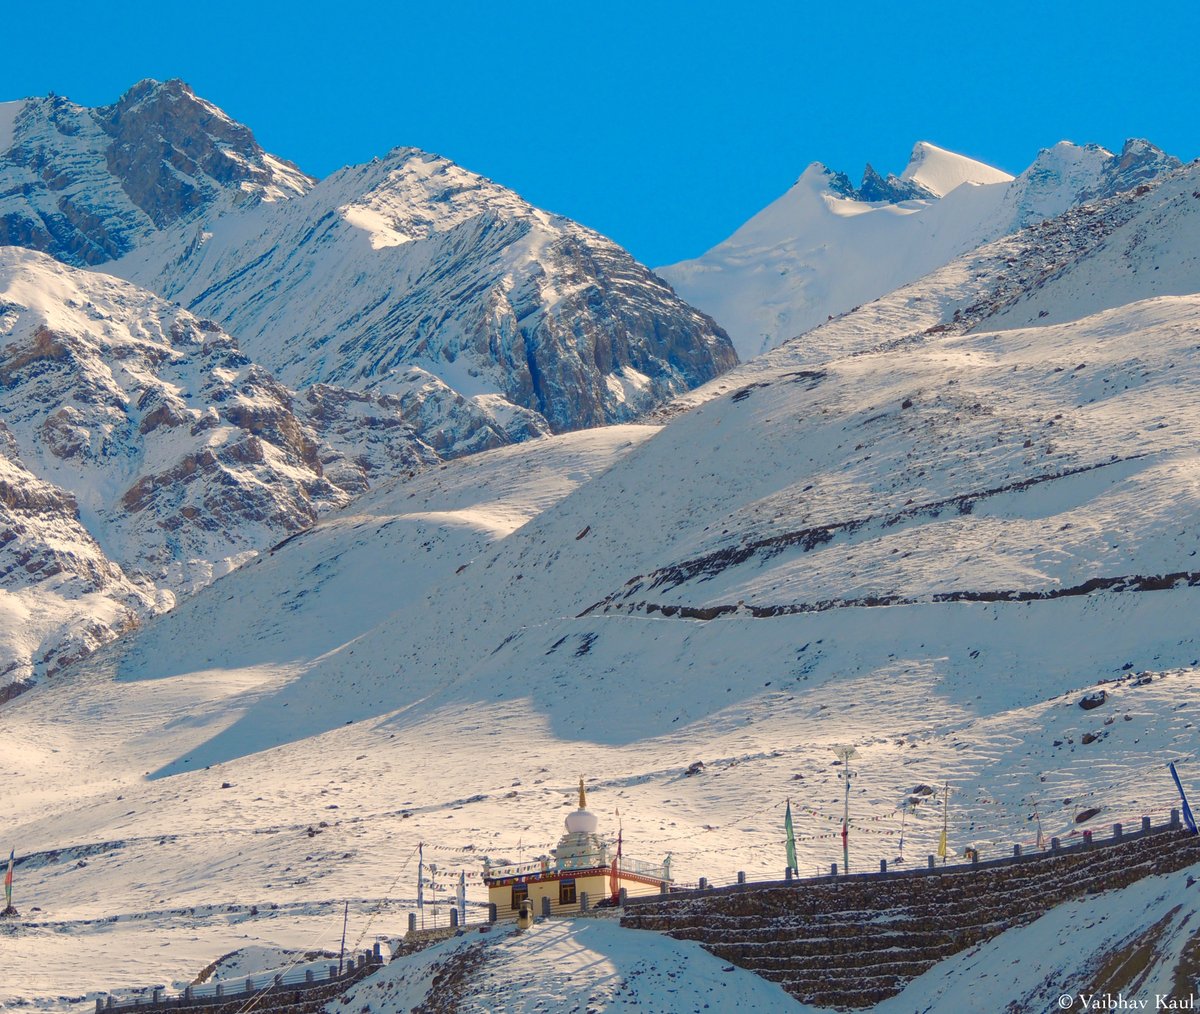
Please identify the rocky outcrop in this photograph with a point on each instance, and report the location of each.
(893, 190)
(184, 457)
(87, 185)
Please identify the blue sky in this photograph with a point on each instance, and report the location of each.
(663, 125)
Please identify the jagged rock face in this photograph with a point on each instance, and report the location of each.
(144, 454)
(64, 598)
(893, 189)
(414, 262)
(87, 185)
(1139, 163)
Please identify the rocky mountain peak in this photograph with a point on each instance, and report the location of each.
(88, 185)
(893, 189)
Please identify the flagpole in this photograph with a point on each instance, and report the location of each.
(345, 921)
(1037, 815)
(1188, 819)
(8, 877)
(421, 881)
(945, 821)
(845, 753)
(791, 838)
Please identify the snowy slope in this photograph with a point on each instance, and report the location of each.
(821, 249)
(939, 171)
(930, 546)
(1135, 945)
(571, 965)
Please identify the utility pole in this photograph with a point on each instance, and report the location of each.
(845, 753)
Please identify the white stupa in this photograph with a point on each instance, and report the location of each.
(581, 845)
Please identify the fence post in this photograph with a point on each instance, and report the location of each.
(1174, 818)
(278, 980)
(109, 1003)
(932, 861)
(1054, 844)
(663, 888)
(833, 869)
(1145, 825)
(454, 916)
(741, 876)
(491, 911)
(883, 866)
(1116, 831)
(99, 1005)
(704, 883)
(1087, 836)
(546, 906)
(308, 975)
(187, 994)
(1017, 851)
(974, 857)
(333, 968)
(787, 874)
(623, 896)
(412, 922)
(249, 986)
(220, 989)
(583, 901)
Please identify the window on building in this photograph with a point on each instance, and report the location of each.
(566, 892)
(519, 893)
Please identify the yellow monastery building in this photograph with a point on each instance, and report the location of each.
(583, 863)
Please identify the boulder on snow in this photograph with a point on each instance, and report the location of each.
(1093, 700)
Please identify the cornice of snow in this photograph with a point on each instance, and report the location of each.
(940, 171)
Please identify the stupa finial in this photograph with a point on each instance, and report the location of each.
(582, 795)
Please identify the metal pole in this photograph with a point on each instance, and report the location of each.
(421, 881)
(845, 753)
(345, 920)
(945, 821)
(846, 822)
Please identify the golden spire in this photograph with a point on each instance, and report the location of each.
(582, 795)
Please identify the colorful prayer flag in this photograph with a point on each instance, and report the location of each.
(1187, 810)
(791, 838)
(8, 879)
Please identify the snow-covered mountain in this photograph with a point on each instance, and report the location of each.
(87, 185)
(409, 276)
(825, 246)
(411, 265)
(404, 312)
(145, 455)
(929, 543)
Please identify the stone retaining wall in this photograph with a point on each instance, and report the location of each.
(849, 942)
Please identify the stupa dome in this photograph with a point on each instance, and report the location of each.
(582, 822)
